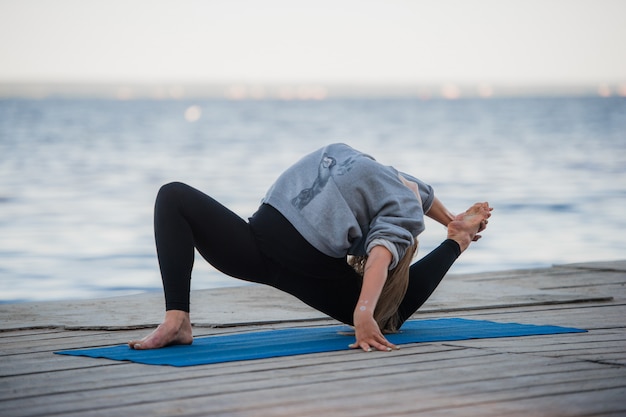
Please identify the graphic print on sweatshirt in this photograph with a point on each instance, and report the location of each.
(327, 168)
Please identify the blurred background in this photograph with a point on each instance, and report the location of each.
(520, 103)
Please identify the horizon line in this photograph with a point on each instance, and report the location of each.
(298, 90)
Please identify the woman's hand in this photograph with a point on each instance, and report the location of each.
(367, 333)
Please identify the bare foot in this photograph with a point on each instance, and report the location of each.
(465, 227)
(175, 330)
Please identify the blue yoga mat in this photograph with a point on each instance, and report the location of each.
(298, 341)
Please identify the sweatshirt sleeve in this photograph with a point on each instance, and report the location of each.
(399, 217)
(394, 233)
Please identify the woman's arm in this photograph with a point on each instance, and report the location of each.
(367, 332)
(440, 213)
(437, 210)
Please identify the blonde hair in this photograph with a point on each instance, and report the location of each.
(386, 312)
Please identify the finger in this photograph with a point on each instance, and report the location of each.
(383, 348)
(393, 347)
(388, 347)
(384, 344)
(366, 347)
(362, 345)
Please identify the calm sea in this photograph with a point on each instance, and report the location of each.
(78, 177)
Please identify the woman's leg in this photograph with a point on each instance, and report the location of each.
(426, 274)
(185, 219)
(336, 294)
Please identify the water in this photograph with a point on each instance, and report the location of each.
(78, 177)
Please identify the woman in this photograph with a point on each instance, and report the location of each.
(338, 230)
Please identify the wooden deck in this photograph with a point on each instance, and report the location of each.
(557, 375)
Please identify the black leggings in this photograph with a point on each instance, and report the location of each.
(268, 250)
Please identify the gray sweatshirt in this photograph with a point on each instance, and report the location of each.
(343, 202)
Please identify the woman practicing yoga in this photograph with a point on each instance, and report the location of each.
(338, 230)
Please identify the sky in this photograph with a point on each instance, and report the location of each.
(315, 41)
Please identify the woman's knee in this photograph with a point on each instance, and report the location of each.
(173, 187)
(172, 190)
(171, 194)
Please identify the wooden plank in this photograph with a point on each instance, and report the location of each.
(35, 333)
(573, 404)
(595, 316)
(549, 343)
(603, 266)
(550, 406)
(50, 342)
(68, 340)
